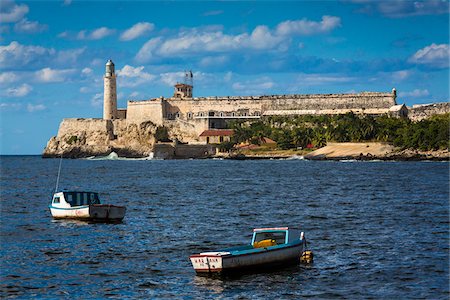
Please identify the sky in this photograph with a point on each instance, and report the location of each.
(53, 54)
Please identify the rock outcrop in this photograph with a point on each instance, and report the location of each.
(79, 138)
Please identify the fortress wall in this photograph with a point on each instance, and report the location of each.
(331, 101)
(292, 112)
(194, 151)
(197, 105)
(149, 110)
(367, 100)
(420, 112)
(121, 113)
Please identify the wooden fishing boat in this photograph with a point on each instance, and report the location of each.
(84, 206)
(269, 247)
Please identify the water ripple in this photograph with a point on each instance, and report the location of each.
(378, 230)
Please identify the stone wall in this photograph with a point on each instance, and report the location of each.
(190, 108)
(420, 112)
(179, 151)
(366, 100)
(149, 110)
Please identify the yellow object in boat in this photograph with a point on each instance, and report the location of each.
(307, 257)
(264, 243)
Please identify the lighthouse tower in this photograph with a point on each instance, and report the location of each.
(110, 93)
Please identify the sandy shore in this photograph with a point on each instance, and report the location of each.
(353, 150)
(369, 151)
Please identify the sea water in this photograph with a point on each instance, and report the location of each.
(377, 229)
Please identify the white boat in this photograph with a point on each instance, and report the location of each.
(84, 206)
(270, 247)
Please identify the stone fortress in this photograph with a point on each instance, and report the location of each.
(131, 131)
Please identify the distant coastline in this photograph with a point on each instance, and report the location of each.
(339, 151)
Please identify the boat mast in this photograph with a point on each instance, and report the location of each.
(59, 172)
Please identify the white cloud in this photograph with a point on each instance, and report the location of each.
(8, 77)
(417, 93)
(134, 95)
(137, 30)
(212, 13)
(146, 51)
(193, 42)
(12, 106)
(96, 34)
(213, 61)
(401, 8)
(306, 27)
(84, 89)
(171, 78)
(52, 75)
(97, 100)
(212, 39)
(63, 35)
(320, 79)
(19, 91)
(15, 55)
(101, 32)
(228, 76)
(37, 107)
(86, 71)
(11, 12)
(25, 26)
(434, 56)
(70, 56)
(262, 38)
(133, 76)
(257, 86)
(401, 75)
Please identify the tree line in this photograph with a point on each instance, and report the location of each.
(303, 131)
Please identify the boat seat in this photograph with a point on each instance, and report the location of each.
(264, 243)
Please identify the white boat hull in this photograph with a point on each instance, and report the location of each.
(96, 212)
(220, 262)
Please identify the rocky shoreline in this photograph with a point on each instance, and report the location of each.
(332, 152)
(355, 151)
(392, 157)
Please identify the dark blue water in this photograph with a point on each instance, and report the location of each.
(377, 229)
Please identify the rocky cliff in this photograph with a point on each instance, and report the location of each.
(79, 138)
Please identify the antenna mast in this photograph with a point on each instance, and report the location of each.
(189, 78)
(59, 172)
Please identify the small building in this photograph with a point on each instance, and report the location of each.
(399, 111)
(183, 90)
(216, 136)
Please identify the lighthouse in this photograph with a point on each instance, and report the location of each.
(110, 93)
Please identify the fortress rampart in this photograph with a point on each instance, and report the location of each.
(240, 106)
(131, 130)
(424, 111)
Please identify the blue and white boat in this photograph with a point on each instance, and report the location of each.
(84, 206)
(269, 247)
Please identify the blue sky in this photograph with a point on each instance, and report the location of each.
(52, 54)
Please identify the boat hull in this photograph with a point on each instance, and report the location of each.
(95, 212)
(254, 259)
